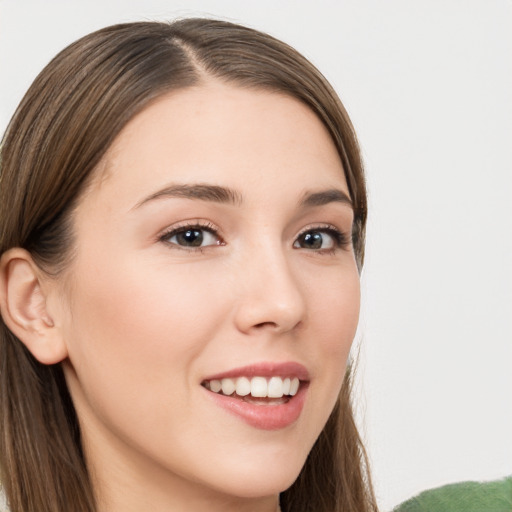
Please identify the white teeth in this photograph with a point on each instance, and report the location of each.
(275, 387)
(258, 387)
(243, 386)
(215, 385)
(228, 386)
(294, 386)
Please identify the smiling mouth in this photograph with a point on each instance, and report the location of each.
(256, 390)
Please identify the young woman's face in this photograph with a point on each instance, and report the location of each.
(213, 249)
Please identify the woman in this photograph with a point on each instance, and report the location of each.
(183, 210)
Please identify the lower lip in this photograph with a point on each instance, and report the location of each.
(265, 417)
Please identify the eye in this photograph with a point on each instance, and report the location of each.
(192, 236)
(321, 239)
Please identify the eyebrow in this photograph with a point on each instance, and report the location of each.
(226, 195)
(200, 191)
(334, 195)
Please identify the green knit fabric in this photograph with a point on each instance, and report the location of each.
(493, 496)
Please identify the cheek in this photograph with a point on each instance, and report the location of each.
(135, 332)
(334, 316)
(141, 306)
(334, 310)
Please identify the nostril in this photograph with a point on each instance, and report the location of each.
(265, 324)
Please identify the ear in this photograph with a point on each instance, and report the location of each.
(23, 304)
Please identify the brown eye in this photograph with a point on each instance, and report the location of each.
(189, 238)
(192, 237)
(315, 240)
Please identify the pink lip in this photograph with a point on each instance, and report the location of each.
(288, 369)
(265, 417)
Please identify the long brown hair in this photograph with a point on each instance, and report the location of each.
(59, 133)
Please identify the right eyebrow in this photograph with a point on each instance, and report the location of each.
(201, 191)
(323, 197)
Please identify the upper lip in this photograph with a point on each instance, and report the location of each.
(265, 369)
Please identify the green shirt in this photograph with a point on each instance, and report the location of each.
(493, 496)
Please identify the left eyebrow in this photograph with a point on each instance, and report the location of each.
(333, 195)
(200, 191)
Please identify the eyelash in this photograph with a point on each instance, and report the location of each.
(340, 238)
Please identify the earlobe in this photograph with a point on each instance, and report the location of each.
(23, 304)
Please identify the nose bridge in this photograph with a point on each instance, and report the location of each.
(272, 295)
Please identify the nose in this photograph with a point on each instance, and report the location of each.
(270, 296)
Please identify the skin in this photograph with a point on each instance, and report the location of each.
(143, 321)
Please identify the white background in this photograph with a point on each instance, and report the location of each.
(428, 84)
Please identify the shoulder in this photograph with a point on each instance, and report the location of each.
(495, 496)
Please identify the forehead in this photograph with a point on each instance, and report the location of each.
(225, 135)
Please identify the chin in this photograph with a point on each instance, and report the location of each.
(261, 484)
(257, 478)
